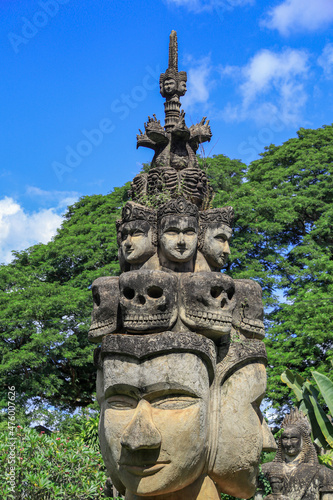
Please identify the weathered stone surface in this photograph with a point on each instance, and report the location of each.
(105, 317)
(148, 300)
(295, 472)
(136, 236)
(154, 416)
(249, 311)
(206, 303)
(214, 235)
(177, 234)
(237, 430)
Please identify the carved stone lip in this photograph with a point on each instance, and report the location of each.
(145, 469)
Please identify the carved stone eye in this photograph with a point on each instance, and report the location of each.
(155, 292)
(216, 291)
(129, 293)
(96, 298)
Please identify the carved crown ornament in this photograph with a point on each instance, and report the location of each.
(172, 321)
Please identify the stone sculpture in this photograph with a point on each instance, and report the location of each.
(181, 367)
(295, 473)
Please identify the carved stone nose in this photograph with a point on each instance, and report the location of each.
(141, 432)
(226, 249)
(181, 240)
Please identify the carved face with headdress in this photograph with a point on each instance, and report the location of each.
(178, 230)
(295, 443)
(215, 233)
(136, 233)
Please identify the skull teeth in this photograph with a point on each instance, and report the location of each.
(210, 318)
(96, 325)
(146, 318)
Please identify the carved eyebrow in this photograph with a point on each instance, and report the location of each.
(128, 390)
(151, 396)
(150, 392)
(172, 228)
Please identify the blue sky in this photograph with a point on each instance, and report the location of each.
(79, 77)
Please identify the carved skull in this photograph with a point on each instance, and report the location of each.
(249, 313)
(148, 300)
(207, 303)
(104, 318)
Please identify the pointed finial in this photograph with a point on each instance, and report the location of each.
(173, 52)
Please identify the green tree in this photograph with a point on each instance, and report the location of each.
(289, 198)
(282, 238)
(45, 306)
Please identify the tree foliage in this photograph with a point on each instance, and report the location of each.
(45, 306)
(282, 238)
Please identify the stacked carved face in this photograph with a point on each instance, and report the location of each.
(167, 416)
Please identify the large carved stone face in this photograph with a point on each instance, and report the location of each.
(154, 421)
(206, 302)
(148, 300)
(136, 241)
(239, 432)
(104, 318)
(216, 244)
(291, 441)
(178, 238)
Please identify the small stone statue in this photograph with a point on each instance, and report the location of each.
(295, 473)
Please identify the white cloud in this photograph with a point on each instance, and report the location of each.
(326, 60)
(199, 83)
(271, 84)
(198, 6)
(300, 15)
(19, 229)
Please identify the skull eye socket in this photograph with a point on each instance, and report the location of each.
(216, 291)
(96, 297)
(155, 292)
(129, 293)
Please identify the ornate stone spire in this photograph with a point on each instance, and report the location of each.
(174, 168)
(172, 85)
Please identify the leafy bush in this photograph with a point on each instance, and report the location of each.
(51, 467)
